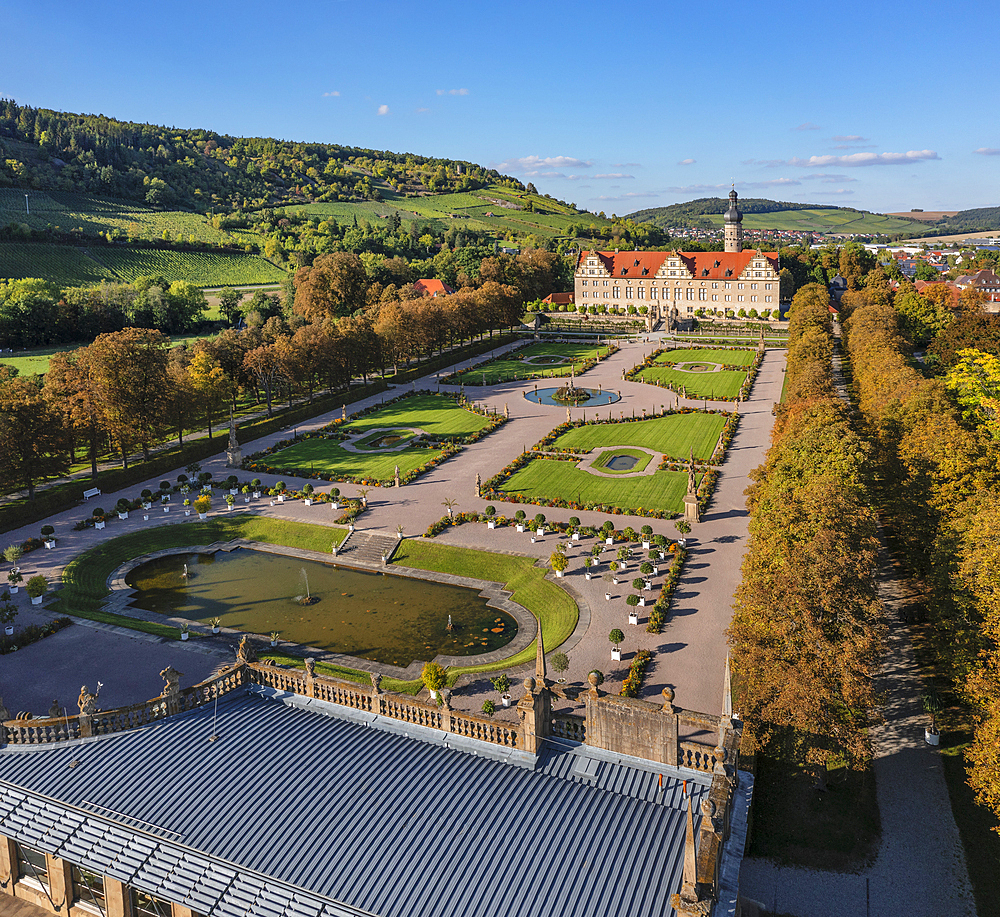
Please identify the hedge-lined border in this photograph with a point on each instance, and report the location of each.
(650, 363)
(452, 446)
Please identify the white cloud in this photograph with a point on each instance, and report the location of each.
(987, 151)
(536, 165)
(453, 92)
(808, 126)
(771, 183)
(628, 196)
(768, 163)
(865, 159)
(687, 162)
(383, 109)
(627, 165)
(855, 146)
(614, 175)
(828, 178)
(693, 189)
(422, 110)
(849, 138)
(328, 95)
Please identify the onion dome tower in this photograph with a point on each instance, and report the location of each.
(734, 224)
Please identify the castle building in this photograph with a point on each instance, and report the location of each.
(674, 285)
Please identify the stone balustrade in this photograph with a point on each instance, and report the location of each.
(567, 726)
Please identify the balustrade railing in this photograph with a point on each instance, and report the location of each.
(566, 726)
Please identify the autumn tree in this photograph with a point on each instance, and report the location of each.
(334, 285)
(209, 383)
(69, 391)
(265, 363)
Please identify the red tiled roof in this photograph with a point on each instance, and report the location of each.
(702, 265)
(955, 291)
(559, 299)
(432, 287)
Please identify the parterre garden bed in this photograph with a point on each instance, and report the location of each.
(520, 364)
(731, 382)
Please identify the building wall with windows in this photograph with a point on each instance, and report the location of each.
(675, 285)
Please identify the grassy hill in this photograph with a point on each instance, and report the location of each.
(759, 213)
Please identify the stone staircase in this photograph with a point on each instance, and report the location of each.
(367, 548)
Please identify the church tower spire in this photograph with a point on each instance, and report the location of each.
(734, 224)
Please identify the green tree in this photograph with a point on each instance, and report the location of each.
(33, 435)
(229, 305)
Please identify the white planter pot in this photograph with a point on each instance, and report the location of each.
(505, 699)
(589, 575)
(609, 541)
(147, 505)
(559, 573)
(281, 498)
(206, 489)
(187, 512)
(491, 525)
(99, 525)
(533, 539)
(576, 536)
(334, 505)
(308, 501)
(932, 738)
(663, 555)
(246, 499)
(646, 586)
(123, 515)
(166, 509)
(184, 635)
(50, 543)
(145, 517)
(656, 570)
(616, 655)
(234, 490)
(229, 507)
(633, 617)
(520, 528)
(203, 516)
(645, 545)
(9, 630)
(37, 599)
(215, 630)
(274, 643)
(540, 532)
(256, 494)
(642, 602)
(434, 694)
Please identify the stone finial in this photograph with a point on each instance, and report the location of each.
(445, 698)
(172, 677)
(595, 684)
(529, 684)
(310, 667)
(245, 652)
(668, 700)
(376, 678)
(708, 813)
(55, 711)
(87, 702)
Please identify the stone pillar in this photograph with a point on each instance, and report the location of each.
(668, 732)
(117, 897)
(445, 710)
(691, 512)
(535, 712)
(310, 677)
(60, 881)
(376, 692)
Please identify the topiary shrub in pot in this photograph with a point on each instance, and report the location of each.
(434, 677)
(36, 588)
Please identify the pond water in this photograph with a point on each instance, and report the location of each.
(382, 617)
(597, 397)
(622, 463)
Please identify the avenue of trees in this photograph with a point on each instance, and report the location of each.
(806, 635)
(129, 389)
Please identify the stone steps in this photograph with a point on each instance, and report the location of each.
(367, 548)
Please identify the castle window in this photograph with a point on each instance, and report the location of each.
(729, 286)
(715, 286)
(729, 272)
(690, 293)
(605, 283)
(652, 293)
(703, 295)
(628, 292)
(739, 286)
(584, 282)
(729, 298)
(642, 292)
(617, 293)
(624, 271)
(715, 297)
(31, 864)
(753, 286)
(767, 299)
(636, 263)
(767, 286)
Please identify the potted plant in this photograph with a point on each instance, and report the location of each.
(14, 577)
(246, 493)
(165, 490)
(491, 511)
(307, 490)
(233, 483)
(933, 708)
(280, 489)
(540, 524)
(617, 638)
(47, 532)
(560, 663)
(399, 533)
(489, 708)
(334, 497)
(187, 507)
(230, 500)
(682, 526)
(8, 611)
(501, 684)
(588, 562)
(574, 530)
(13, 553)
(147, 498)
(434, 678)
(520, 516)
(216, 625)
(36, 588)
(202, 505)
(184, 631)
(559, 562)
(274, 638)
(98, 516)
(255, 484)
(122, 507)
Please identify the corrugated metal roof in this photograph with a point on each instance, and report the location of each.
(290, 811)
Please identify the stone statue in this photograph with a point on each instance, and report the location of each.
(692, 481)
(87, 702)
(245, 652)
(506, 411)
(569, 417)
(343, 413)
(479, 484)
(55, 711)
(234, 454)
(310, 667)
(173, 681)
(397, 475)
(376, 681)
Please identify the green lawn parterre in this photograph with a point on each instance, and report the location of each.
(513, 366)
(542, 480)
(642, 460)
(725, 383)
(708, 355)
(674, 435)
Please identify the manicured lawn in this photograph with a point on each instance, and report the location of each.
(543, 598)
(328, 457)
(550, 479)
(437, 415)
(642, 459)
(706, 355)
(673, 435)
(84, 580)
(514, 367)
(723, 384)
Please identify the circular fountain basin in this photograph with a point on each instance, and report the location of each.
(378, 616)
(597, 397)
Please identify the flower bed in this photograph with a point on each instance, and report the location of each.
(660, 612)
(31, 634)
(651, 362)
(632, 684)
(467, 376)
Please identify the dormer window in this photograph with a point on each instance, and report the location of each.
(645, 271)
(704, 272)
(636, 263)
(729, 272)
(624, 271)
(718, 264)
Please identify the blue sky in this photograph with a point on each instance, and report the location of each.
(616, 107)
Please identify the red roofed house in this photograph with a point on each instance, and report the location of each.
(432, 288)
(985, 281)
(560, 299)
(953, 290)
(674, 284)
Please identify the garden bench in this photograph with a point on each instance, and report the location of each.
(93, 492)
